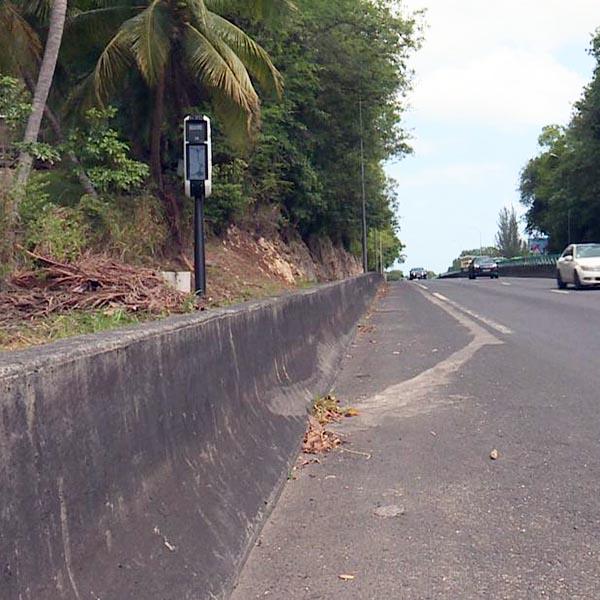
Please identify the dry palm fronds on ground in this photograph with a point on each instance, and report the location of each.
(92, 282)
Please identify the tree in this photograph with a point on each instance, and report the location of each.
(508, 239)
(485, 251)
(58, 14)
(560, 187)
(156, 60)
(184, 50)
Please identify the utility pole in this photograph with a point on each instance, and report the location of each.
(381, 253)
(364, 193)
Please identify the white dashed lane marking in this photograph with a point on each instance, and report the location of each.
(489, 322)
(560, 292)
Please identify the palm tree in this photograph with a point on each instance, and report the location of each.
(175, 43)
(58, 14)
(21, 54)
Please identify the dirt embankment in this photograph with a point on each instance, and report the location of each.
(50, 299)
(243, 265)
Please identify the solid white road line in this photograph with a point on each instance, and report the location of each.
(489, 322)
(427, 391)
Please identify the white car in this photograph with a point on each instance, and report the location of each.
(579, 264)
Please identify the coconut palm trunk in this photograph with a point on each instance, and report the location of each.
(42, 89)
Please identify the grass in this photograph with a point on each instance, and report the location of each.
(68, 324)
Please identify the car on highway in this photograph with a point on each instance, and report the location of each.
(483, 266)
(579, 264)
(417, 273)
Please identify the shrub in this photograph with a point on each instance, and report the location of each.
(56, 231)
(104, 156)
(229, 198)
(134, 227)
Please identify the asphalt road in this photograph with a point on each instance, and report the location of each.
(412, 506)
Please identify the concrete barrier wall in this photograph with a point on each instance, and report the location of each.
(546, 270)
(140, 464)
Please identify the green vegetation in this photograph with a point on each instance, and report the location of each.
(508, 239)
(561, 185)
(92, 95)
(395, 275)
(65, 325)
(485, 251)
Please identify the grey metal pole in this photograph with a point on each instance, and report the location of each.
(569, 224)
(199, 256)
(364, 193)
(375, 251)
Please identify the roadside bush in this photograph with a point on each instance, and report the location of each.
(104, 155)
(395, 275)
(133, 227)
(230, 198)
(56, 231)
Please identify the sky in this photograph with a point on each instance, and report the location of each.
(489, 76)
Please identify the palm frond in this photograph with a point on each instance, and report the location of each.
(215, 65)
(199, 13)
(96, 26)
(255, 9)
(38, 8)
(144, 40)
(254, 57)
(239, 126)
(112, 65)
(150, 37)
(102, 17)
(20, 46)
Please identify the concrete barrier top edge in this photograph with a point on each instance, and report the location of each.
(18, 362)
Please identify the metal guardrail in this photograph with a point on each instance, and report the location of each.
(540, 265)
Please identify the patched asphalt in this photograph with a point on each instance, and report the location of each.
(412, 506)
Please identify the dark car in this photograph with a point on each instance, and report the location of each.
(484, 266)
(417, 273)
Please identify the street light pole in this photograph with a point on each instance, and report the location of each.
(364, 193)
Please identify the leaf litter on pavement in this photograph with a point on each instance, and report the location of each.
(318, 439)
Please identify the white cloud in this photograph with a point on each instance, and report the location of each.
(485, 67)
(461, 174)
(504, 86)
(499, 61)
(457, 27)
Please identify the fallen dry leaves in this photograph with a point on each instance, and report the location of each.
(318, 439)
